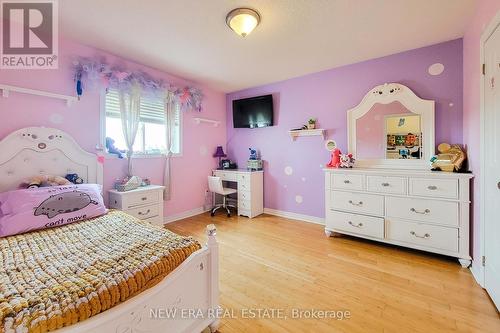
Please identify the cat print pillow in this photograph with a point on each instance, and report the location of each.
(47, 207)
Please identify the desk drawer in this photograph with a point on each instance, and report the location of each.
(358, 202)
(423, 210)
(227, 175)
(380, 184)
(348, 182)
(244, 195)
(432, 236)
(244, 204)
(243, 186)
(140, 199)
(442, 188)
(144, 212)
(358, 224)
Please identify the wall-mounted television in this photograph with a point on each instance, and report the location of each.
(253, 112)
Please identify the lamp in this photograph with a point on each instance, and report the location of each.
(219, 152)
(242, 20)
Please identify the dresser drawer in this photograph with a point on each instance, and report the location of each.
(358, 224)
(345, 181)
(357, 202)
(381, 184)
(426, 235)
(244, 204)
(143, 198)
(244, 195)
(144, 212)
(422, 210)
(442, 188)
(227, 175)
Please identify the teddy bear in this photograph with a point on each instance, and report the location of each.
(45, 180)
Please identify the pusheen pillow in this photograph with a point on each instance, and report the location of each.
(46, 207)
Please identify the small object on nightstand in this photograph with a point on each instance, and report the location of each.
(145, 203)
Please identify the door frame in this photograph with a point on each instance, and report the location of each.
(487, 32)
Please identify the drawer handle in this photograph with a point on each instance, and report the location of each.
(359, 225)
(347, 181)
(144, 213)
(426, 235)
(432, 187)
(426, 211)
(385, 184)
(356, 204)
(144, 198)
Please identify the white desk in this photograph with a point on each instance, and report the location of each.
(250, 189)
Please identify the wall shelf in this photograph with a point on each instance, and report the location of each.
(6, 89)
(198, 121)
(294, 134)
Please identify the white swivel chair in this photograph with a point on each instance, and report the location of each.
(215, 186)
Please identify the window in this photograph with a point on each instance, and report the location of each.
(150, 137)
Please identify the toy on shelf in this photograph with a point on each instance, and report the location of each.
(110, 147)
(346, 161)
(449, 159)
(254, 162)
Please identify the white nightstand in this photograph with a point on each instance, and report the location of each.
(145, 203)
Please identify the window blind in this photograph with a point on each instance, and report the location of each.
(151, 109)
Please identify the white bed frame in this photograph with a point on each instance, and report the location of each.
(186, 301)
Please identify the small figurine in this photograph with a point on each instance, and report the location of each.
(391, 140)
(410, 140)
(335, 159)
(346, 161)
(253, 154)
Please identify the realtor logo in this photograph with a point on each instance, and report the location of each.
(29, 34)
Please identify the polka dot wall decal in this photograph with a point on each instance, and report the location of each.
(288, 170)
(303, 179)
(321, 165)
(451, 105)
(203, 150)
(436, 69)
(56, 118)
(299, 199)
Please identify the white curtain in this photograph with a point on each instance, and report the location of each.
(169, 129)
(130, 116)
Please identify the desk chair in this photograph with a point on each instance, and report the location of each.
(215, 186)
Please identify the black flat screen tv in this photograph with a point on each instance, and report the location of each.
(253, 112)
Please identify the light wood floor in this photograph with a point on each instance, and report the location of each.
(274, 263)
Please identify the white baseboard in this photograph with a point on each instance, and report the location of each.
(295, 216)
(184, 215)
(477, 272)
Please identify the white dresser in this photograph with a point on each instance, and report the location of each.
(423, 210)
(250, 186)
(145, 203)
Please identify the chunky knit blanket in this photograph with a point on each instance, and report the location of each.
(57, 277)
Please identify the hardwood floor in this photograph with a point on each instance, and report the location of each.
(277, 264)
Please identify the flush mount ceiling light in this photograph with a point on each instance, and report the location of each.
(242, 20)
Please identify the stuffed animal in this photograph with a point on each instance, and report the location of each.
(44, 180)
(74, 178)
(253, 154)
(410, 140)
(335, 159)
(346, 161)
(110, 146)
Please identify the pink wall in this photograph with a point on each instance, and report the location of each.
(82, 121)
(327, 96)
(485, 11)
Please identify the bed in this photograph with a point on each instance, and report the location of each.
(181, 276)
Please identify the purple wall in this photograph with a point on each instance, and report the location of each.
(327, 96)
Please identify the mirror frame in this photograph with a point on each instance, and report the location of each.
(386, 94)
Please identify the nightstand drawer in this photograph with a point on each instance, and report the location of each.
(141, 199)
(144, 212)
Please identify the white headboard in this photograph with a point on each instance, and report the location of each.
(39, 150)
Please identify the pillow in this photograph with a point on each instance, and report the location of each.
(40, 208)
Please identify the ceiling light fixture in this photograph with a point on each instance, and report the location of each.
(242, 20)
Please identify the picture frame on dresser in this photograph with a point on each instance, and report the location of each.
(399, 201)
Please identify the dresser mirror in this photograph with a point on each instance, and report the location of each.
(392, 128)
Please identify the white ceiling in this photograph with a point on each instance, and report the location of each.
(189, 38)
